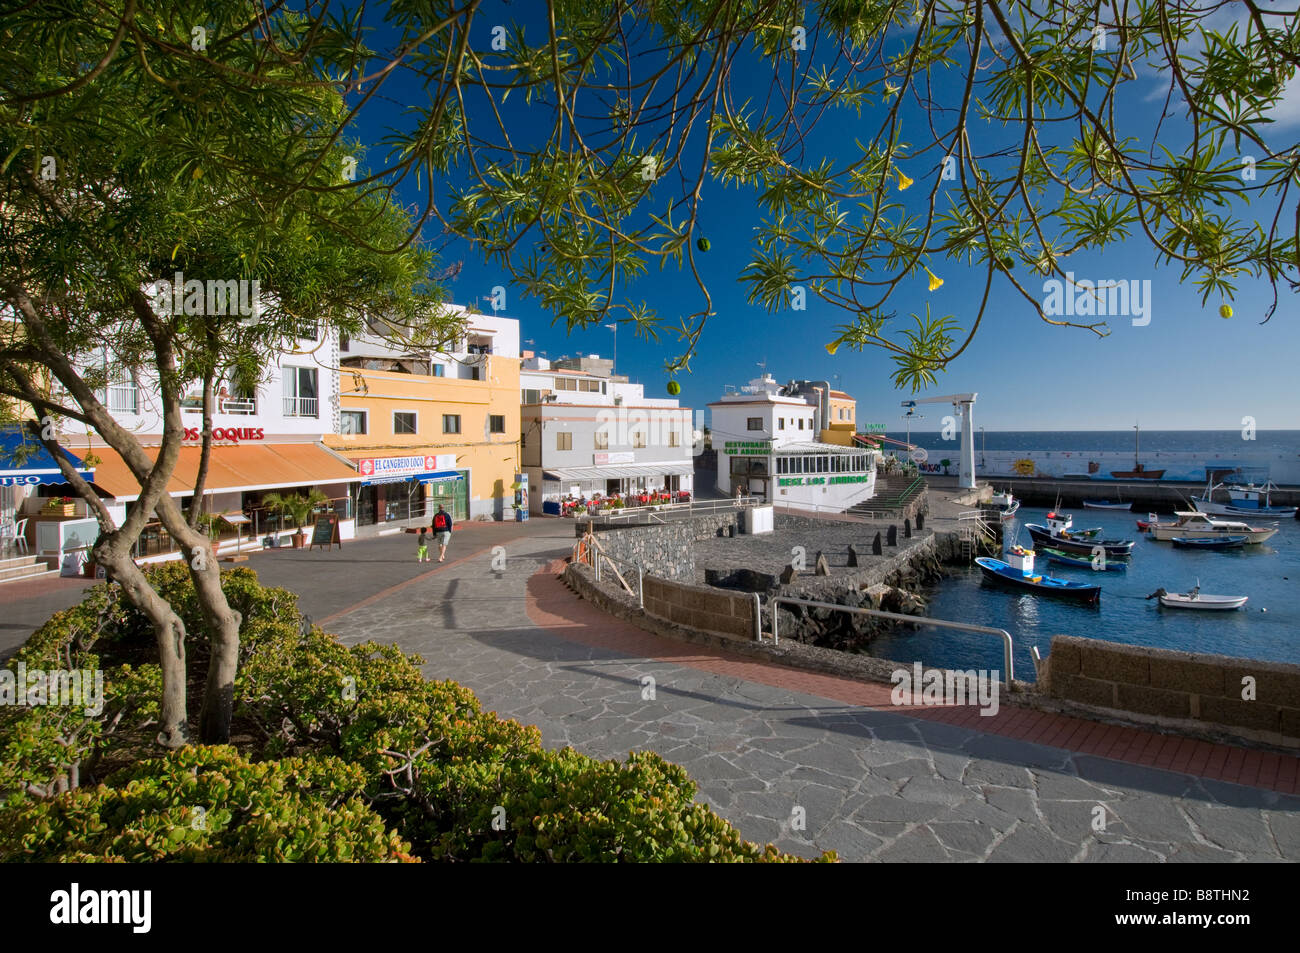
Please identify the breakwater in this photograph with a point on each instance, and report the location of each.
(1145, 495)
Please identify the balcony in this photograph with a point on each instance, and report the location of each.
(242, 406)
(300, 407)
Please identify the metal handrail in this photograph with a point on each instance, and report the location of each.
(598, 554)
(1008, 649)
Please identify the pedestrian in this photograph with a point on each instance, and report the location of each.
(422, 551)
(442, 531)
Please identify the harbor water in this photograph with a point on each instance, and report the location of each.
(1267, 628)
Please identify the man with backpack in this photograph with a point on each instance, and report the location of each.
(442, 531)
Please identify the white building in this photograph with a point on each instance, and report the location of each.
(767, 444)
(587, 434)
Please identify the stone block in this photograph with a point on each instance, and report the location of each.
(1187, 674)
(1065, 656)
(1116, 663)
(1085, 691)
(1275, 682)
(1290, 718)
(1239, 714)
(1154, 701)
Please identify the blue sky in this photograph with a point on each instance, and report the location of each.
(1187, 369)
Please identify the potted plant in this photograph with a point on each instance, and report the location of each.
(210, 523)
(297, 507)
(945, 464)
(60, 506)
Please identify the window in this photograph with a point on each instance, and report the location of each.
(755, 423)
(674, 438)
(565, 383)
(476, 373)
(352, 422)
(123, 395)
(590, 387)
(801, 423)
(564, 441)
(496, 423)
(405, 423)
(451, 423)
(602, 440)
(439, 370)
(638, 439)
(300, 393)
(531, 397)
(780, 423)
(345, 342)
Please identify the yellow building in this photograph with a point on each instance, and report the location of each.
(429, 432)
(843, 420)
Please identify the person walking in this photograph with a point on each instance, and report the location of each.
(422, 551)
(442, 531)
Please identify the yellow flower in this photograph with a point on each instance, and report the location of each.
(833, 346)
(935, 282)
(903, 181)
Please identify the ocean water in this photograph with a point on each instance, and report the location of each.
(1097, 441)
(1268, 573)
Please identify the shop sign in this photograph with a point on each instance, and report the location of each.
(822, 481)
(235, 434)
(396, 466)
(741, 448)
(621, 456)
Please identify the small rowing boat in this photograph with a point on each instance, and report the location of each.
(1106, 505)
(1195, 600)
(1213, 542)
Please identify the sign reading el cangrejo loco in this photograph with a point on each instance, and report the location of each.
(741, 448)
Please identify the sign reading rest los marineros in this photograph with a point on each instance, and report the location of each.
(228, 433)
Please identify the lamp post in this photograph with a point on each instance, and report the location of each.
(613, 368)
(911, 413)
(982, 448)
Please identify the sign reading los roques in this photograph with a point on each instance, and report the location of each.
(228, 433)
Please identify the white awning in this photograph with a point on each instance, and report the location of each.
(619, 471)
(810, 447)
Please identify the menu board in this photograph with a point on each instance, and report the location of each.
(326, 531)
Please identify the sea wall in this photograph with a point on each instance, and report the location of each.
(734, 615)
(1245, 698)
(662, 549)
(1187, 466)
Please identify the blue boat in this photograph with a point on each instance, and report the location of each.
(995, 570)
(1221, 542)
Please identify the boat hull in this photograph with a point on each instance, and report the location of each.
(1194, 542)
(1068, 559)
(1139, 474)
(1204, 603)
(1114, 548)
(1168, 533)
(999, 573)
(1105, 505)
(1258, 512)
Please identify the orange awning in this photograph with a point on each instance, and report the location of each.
(230, 468)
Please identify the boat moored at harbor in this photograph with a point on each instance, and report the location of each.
(1194, 525)
(1247, 500)
(1018, 571)
(1057, 535)
(1196, 600)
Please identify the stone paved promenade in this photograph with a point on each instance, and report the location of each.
(770, 745)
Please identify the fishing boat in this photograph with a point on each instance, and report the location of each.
(1006, 504)
(1199, 526)
(1107, 505)
(1221, 542)
(1018, 571)
(1247, 500)
(1195, 600)
(1147, 523)
(1138, 472)
(1057, 535)
(1095, 563)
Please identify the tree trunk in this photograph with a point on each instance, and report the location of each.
(169, 630)
(222, 621)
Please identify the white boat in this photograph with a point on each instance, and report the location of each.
(1198, 525)
(1006, 504)
(1247, 500)
(1107, 505)
(1195, 600)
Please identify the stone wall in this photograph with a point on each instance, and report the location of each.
(702, 608)
(663, 549)
(1177, 688)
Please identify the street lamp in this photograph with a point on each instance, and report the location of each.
(909, 416)
(613, 368)
(981, 448)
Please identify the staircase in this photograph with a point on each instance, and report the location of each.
(894, 494)
(974, 530)
(23, 568)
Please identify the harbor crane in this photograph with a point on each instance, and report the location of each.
(964, 405)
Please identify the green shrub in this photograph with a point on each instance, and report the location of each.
(207, 804)
(373, 757)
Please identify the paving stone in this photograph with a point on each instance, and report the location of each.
(1230, 828)
(967, 836)
(1122, 854)
(1029, 845)
(917, 846)
(981, 772)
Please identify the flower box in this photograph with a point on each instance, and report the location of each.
(59, 509)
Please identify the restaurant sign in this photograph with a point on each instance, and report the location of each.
(742, 448)
(235, 434)
(618, 456)
(822, 481)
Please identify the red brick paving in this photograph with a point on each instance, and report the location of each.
(554, 608)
